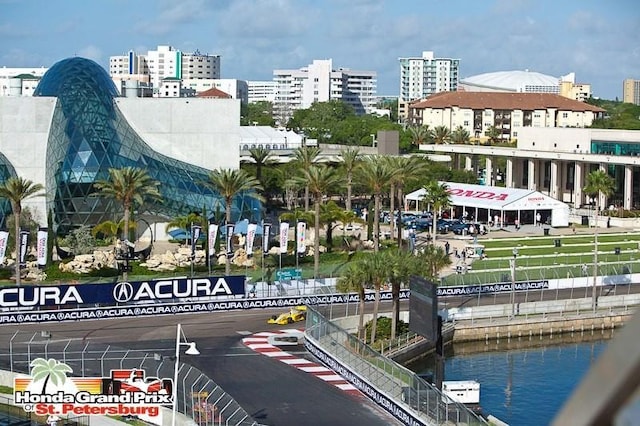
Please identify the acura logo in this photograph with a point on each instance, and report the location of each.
(123, 292)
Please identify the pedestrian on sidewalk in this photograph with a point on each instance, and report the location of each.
(447, 246)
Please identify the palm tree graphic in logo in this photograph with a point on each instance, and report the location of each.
(49, 370)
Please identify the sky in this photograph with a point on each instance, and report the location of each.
(598, 40)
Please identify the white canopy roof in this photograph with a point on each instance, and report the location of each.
(494, 197)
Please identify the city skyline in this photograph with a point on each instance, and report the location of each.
(596, 40)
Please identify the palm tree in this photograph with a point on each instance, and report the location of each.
(49, 370)
(16, 190)
(229, 183)
(321, 180)
(460, 136)
(305, 157)
(185, 222)
(375, 174)
(437, 196)
(599, 184)
(374, 269)
(441, 135)
(402, 265)
(131, 187)
(431, 261)
(261, 157)
(494, 134)
(111, 229)
(349, 281)
(420, 134)
(350, 158)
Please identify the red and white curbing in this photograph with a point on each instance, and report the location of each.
(259, 342)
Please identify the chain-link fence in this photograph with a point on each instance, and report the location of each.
(384, 375)
(198, 397)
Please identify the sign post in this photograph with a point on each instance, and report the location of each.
(289, 274)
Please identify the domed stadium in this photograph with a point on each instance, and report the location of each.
(511, 81)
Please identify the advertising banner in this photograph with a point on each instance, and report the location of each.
(284, 237)
(4, 239)
(24, 245)
(196, 231)
(152, 291)
(230, 228)
(251, 236)
(43, 235)
(266, 229)
(301, 236)
(213, 236)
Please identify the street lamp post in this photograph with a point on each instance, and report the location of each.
(512, 263)
(191, 350)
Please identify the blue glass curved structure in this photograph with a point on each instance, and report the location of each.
(89, 135)
(6, 171)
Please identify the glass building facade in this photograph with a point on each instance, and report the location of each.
(89, 135)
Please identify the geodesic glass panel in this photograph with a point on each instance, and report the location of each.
(89, 135)
(6, 171)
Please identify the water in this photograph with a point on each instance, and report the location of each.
(523, 383)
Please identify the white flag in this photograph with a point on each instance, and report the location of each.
(266, 228)
(213, 236)
(251, 236)
(284, 237)
(4, 238)
(301, 231)
(42, 247)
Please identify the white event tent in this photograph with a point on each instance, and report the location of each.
(485, 202)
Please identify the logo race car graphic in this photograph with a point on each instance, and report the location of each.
(126, 392)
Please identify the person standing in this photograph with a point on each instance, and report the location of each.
(447, 246)
(538, 219)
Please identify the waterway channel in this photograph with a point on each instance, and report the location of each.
(525, 381)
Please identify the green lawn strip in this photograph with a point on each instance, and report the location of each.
(529, 241)
(554, 258)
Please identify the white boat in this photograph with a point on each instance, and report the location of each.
(462, 391)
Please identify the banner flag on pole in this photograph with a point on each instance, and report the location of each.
(4, 239)
(230, 228)
(196, 231)
(24, 245)
(301, 232)
(43, 236)
(251, 235)
(284, 236)
(213, 235)
(266, 228)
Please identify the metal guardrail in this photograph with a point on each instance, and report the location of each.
(198, 397)
(398, 383)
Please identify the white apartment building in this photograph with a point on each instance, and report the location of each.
(262, 91)
(20, 81)
(476, 112)
(165, 62)
(423, 76)
(319, 82)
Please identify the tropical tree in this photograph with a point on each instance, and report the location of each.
(431, 260)
(494, 134)
(402, 265)
(305, 157)
(185, 222)
(330, 215)
(408, 170)
(374, 270)
(111, 229)
(261, 157)
(437, 196)
(352, 281)
(320, 180)
(49, 370)
(130, 187)
(460, 136)
(375, 174)
(420, 134)
(441, 135)
(16, 190)
(599, 185)
(229, 183)
(350, 158)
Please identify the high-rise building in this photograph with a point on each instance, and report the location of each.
(261, 91)
(631, 91)
(423, 76)
(163, 63)
(319, 82)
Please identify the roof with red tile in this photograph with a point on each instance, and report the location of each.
(214, 93)
(504, 101)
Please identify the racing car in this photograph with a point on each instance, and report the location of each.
(298, 313)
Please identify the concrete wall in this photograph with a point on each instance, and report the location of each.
(199, 131)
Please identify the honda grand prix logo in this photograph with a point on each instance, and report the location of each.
(126, 392)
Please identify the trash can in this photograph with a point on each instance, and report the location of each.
(546, 231)
(585, 221)
(616, 250)
(556, 242)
